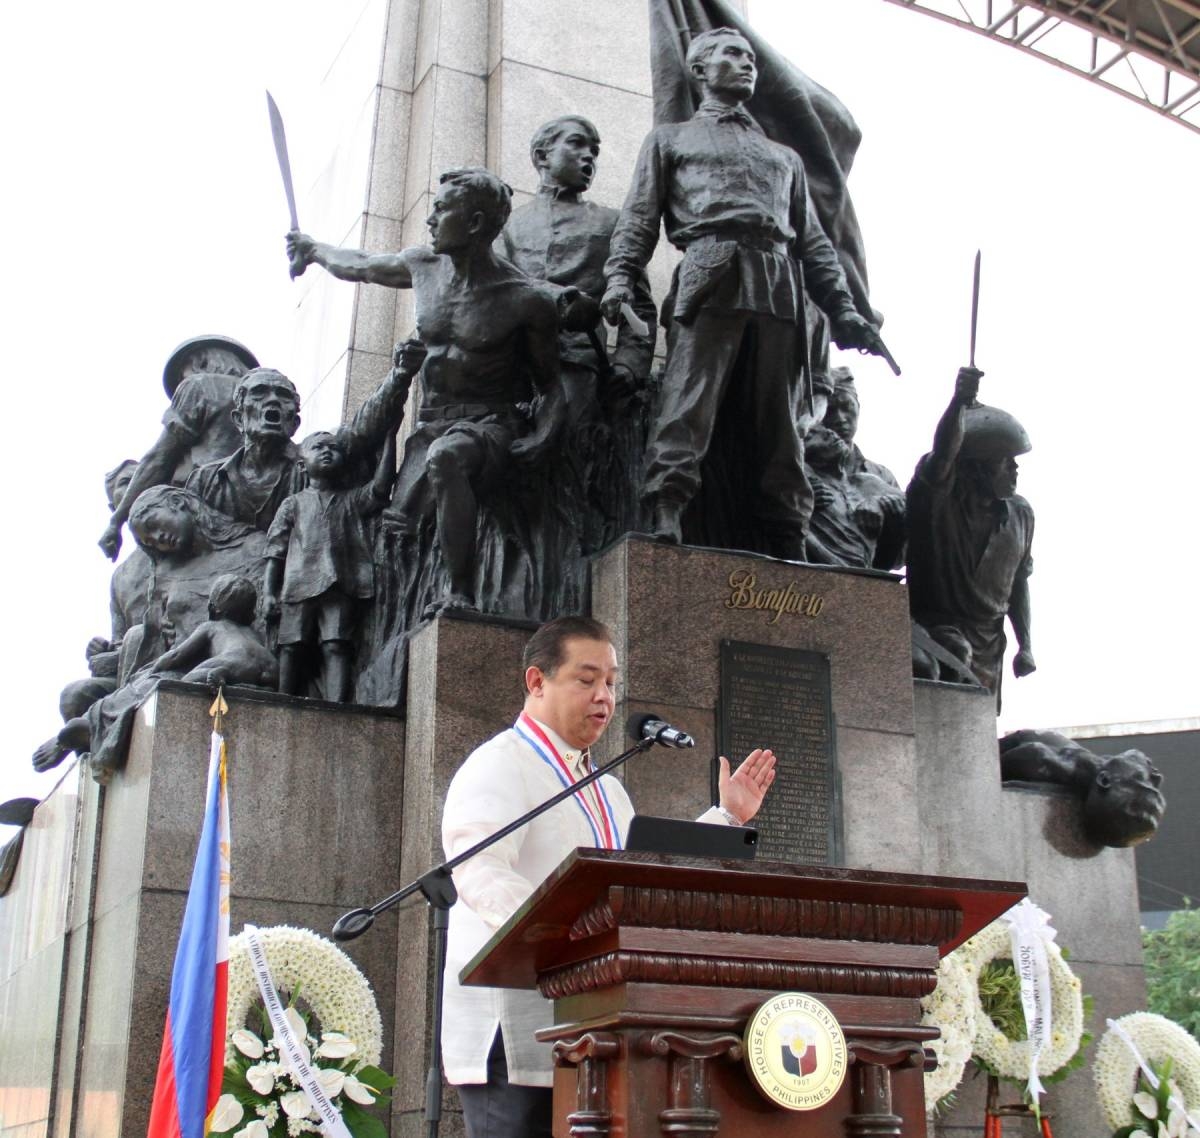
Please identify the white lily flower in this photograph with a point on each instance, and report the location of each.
(262, 1077)
(247, 1043)
(335, 1045)
(1138, 1134)
(331, 1079)
(358, 1092)
(294, 1104)
(1177, 1124)
(226, 1114)
(1146, 1103)
(256, 1129)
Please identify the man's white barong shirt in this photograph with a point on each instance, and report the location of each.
(498, 782)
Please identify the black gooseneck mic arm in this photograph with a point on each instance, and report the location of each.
(357, 921)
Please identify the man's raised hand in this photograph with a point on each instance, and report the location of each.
(741, 793)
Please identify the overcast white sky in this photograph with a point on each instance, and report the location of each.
(142, 205)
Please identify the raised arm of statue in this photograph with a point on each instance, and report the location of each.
(390, 269)
(382, 411)
(948, 437)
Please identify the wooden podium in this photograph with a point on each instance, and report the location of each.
(655, 963)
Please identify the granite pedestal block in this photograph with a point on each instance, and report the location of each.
(671, 607)
(464, 686)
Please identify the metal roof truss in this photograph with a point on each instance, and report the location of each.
(1146, 50)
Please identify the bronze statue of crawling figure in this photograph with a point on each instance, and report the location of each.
(1122, 802)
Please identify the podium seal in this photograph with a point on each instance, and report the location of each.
(795, 1051)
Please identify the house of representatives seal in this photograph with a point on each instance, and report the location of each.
(795, 1051)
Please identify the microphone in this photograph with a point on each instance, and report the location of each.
(644, 726)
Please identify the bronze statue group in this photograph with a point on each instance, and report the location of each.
(542, 433)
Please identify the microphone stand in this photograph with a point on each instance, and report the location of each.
(438, 889)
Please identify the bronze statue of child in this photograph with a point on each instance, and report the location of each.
(225, 649)
(320, 570)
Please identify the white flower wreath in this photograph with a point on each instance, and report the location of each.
(1115, 1068)
(951, 1008)
(1009, 1058)
(325, 978)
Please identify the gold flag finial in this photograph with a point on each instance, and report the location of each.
(219, 709)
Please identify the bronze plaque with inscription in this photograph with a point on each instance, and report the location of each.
(780, 698)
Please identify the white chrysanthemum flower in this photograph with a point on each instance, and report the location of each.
(337, 993)
(948, 1008)
(1116, 1070)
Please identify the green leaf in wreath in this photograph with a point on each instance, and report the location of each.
(1000, 995)
(360, 1122)
(375, 1077)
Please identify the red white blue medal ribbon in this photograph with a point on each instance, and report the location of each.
(603, 824)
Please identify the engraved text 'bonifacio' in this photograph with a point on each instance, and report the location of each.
(743, 594)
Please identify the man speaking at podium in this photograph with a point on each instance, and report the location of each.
(502, 1073)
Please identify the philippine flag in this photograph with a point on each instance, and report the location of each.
(192, 1060)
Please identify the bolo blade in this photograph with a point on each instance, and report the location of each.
(975, 304)
(281, 153)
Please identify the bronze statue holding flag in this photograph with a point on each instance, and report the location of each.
(740, 206)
